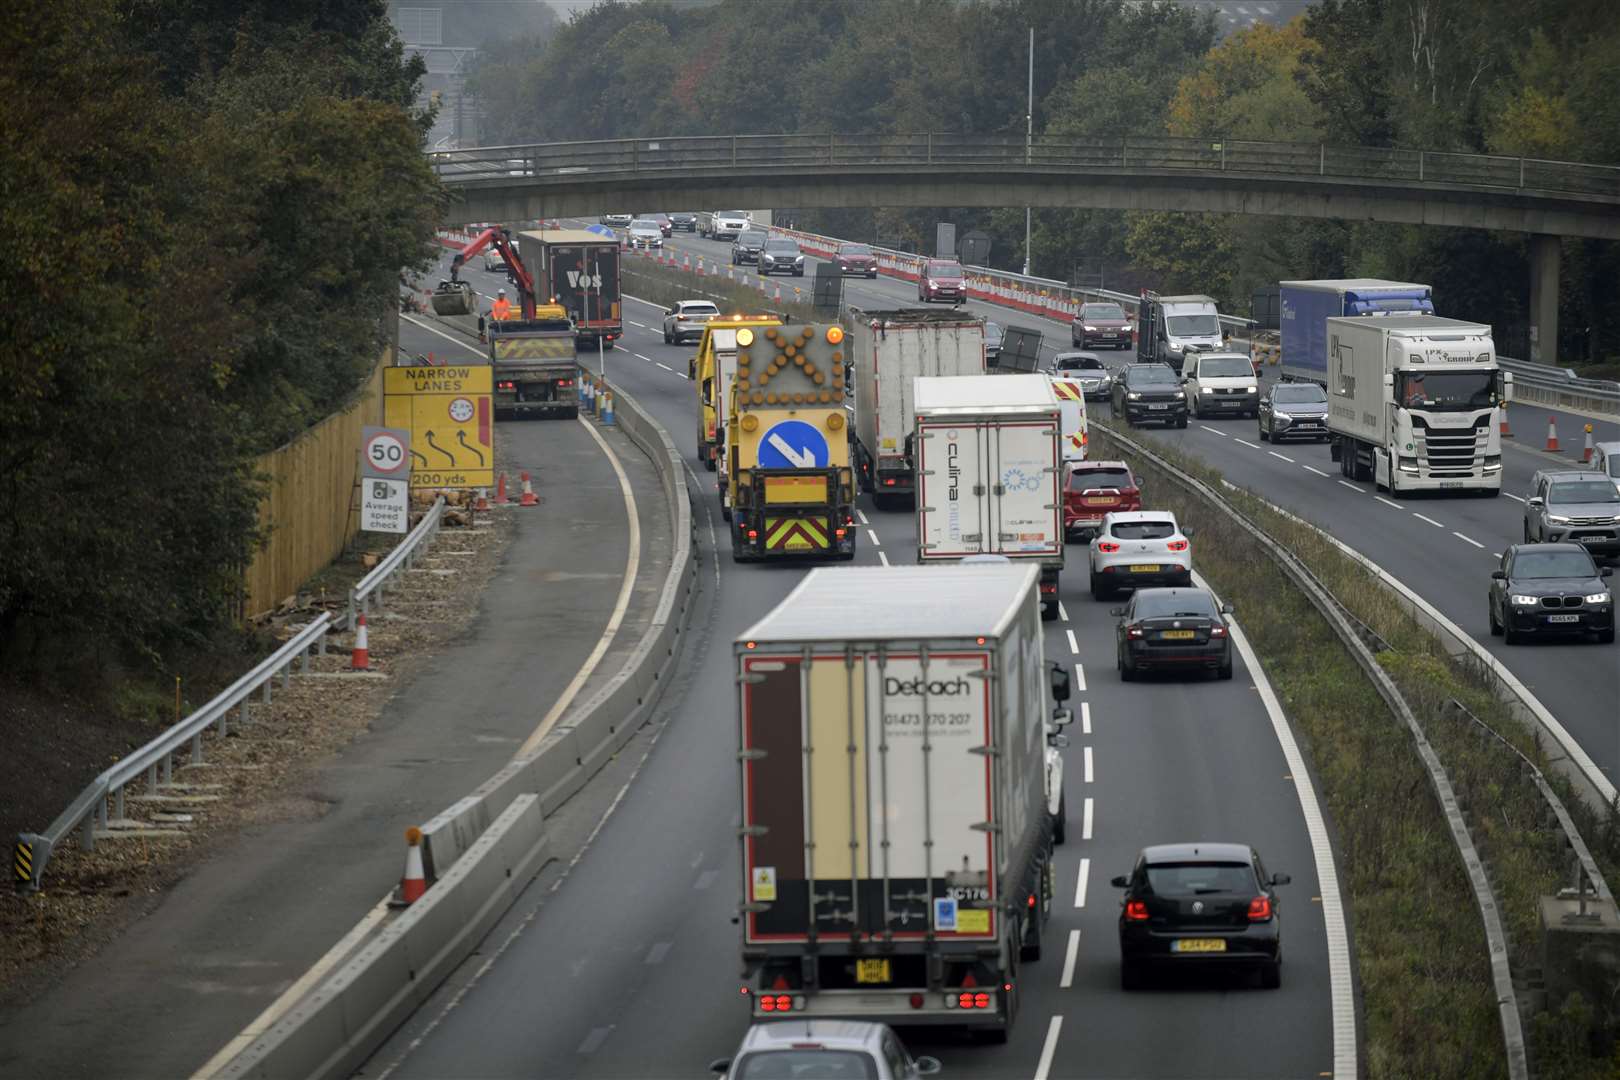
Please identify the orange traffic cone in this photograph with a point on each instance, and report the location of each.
(1586, 454)
(361, 660)
(414, 883)
(529, 497)
(1506, 434)
(482, 502)
(500, 492)
(1552, 436)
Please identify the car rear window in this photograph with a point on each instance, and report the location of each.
(807, 1064)
(855, 249)
(1170, 604)
(1144, 530)
(1102, 311)
(1082, 479)
(1080, 363)
(1200, 878)
(700, 309)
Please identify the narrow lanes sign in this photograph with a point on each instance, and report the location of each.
(449, 415)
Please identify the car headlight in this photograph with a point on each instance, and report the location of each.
(1205, 390)
(1557, 519)
(1525, 601)
(1092, 329)
(1133, 396)
(1281, 415)
(1598, 598)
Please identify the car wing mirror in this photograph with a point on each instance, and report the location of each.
(1120, 882)
(1227, 609)
(1535, 500)
(1062, 717)
(1188, 532)
(1281, 879)
(1607, 571)
(1060, 684)
(1118, 612)
(1498, 575)
(1058, 741)
(720, 1065)
(928, 1066)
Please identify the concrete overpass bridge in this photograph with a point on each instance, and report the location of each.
(1546, 199)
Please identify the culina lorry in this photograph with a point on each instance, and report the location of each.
(896, 839)
(1413, 403)
(1305, 306)
(989, 472)
(890, 349)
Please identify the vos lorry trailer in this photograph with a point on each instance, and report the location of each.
(896, 841)
(579, 270)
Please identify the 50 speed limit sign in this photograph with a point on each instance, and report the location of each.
(385, 453)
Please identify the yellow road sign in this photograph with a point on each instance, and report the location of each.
(451, 419)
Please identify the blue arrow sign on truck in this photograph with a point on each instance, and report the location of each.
(793, 444)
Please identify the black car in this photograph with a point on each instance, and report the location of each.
(1196, 906)
(1547, 590)
(748, 245)
(683, 220)
(1172, 629)
(781, 256)
(1150, 393)
(1293, 410)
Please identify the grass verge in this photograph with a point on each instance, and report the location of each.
(1420, 951)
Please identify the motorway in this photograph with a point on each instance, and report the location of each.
(628, 968)
(1443, 547)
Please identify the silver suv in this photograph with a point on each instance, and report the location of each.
(1573, 506)
(686, 320)
(830, 1048)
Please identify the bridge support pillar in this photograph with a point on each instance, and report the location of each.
(1545, 251)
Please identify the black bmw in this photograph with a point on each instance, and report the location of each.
(1548, 590)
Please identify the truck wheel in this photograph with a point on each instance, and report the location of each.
(573, 413)
(708, 463)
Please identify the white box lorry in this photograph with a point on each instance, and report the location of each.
(890, 349)
(896, 840)
(989, 472)
(1412, 403)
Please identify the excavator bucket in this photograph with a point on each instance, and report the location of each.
(453, 298)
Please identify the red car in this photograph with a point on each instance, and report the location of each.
(1095, 488)
(942, 279)
(856, 259)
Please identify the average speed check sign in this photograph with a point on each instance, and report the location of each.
(385, 453)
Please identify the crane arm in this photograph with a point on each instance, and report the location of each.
(502, 241)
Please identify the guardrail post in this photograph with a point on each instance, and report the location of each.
(1420, 165)
(831, 156)
(286, 675)
(267, 684)
(931, 156)
(1321, 159)
(89, 841)
(1223, 155)
(734, 149)
(168, 768)
(1521, 173)
(1124, 142)
(635, 155)
(196, 754)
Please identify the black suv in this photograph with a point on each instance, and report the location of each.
(748, 245)
(1150, 393)
(684, 220)
(1196, 905)
(781, 255)
(1543, 590)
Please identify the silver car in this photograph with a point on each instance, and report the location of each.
(1087, 369)
(1137, 548)
(644, 233)
(833, 1049)
(1294, 410)
(1573, 506)
(686, 320)
(1606, 460)
(618, 221)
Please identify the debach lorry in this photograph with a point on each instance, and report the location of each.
(890, 349)
(990, 473)
(896, 842)
(1303, 308)
(1412, 403)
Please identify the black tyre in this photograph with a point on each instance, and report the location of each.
(1225, 670)
(1271, 976)
(1182, 423)
(1261, 430)
(1496, 627)
(1130, 976)
(1099, 591)
(872, 276)
(1510, 636)
(709, 463)
(1060, 827)
(573, 413)
(1127, 670)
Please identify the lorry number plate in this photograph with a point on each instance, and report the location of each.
(968, 892)
(871, 971)
(1451, 483)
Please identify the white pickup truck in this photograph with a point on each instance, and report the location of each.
(724, 224)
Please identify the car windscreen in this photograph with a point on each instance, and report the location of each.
(1200, 879)
(643, 223)
(1553, 564)
(1303, 394)
(992, 331)
(752, 237)
(1156, 375)
(806, 1064)
(1168, 605)
(1583, 491)
(1143, 530)
(854, 249)
(1225, 367)
(781, 245)
(1192, 325)
(1080, 363)
(1102, 311)
(944, 269)
(1087, 479)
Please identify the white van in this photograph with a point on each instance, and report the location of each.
(1221, 384)
(1071, 397)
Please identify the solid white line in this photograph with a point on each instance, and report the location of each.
(1089, 774)
(1080, 678)
(1085, 712)
(1389, 503)
(1351, 486)
(1284, 457)
(862, 515)
(873, 534)
(1318, 472)
(632, 563)
(1070, 955)
(1246, 442)
(1043, 1068)
(1430, 520)
(1468, 540)
(1515, 498)
(1213, 431)
(883, 558)
(1085, 820)
(1074, 646)
(1080, 885)
(1341, 988)
(290, 996)
(663, 365)
(470, 348)
(1063, 614)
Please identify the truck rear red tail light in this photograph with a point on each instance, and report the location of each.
(1260, 909)
(967, 1000)
(506, 386)
(1136, 910)
(888, 481)
(916, 1001)
(776, 1003)
(1049, 588)
(838, 534)
(565, 382)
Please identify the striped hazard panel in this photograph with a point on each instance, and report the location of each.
(1066, 390)
(790, 534)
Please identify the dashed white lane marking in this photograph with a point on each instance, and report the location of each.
(1318, 472)
(1082, 882)
(633, 322)
(1468, 540)
(1074, 646)
(883, 558)
(1085, 711)
(1043, 1068)
(1213, 431)
(1246, 442)
(1389, 503)
(1085, 820)
(873, 534)
(1090, 776)
(649, 359)
(1430, 520)
(1515, 498)
(1063, 612)
(1351, 486)
(663, 365)
(1070, 955)
(862, 515)
(594, 1040)
(1284, 457)
(704, 880)
(656, 954)
(1080, 680)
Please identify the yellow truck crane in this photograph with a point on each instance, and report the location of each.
(714, 367)
(788, 486)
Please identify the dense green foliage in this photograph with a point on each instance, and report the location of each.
(1502, 76)
(206, 207)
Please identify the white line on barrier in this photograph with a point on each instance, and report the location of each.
(632, 563)
(1070, 955)
(708, 515)
(1043, 1068)
(1468, 540)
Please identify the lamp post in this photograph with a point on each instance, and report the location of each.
(1029, 139)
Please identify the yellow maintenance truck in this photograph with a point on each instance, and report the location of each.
(787, 487)
(714, 367)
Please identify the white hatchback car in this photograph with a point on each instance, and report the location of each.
(823, 1048)
(1138, 548)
